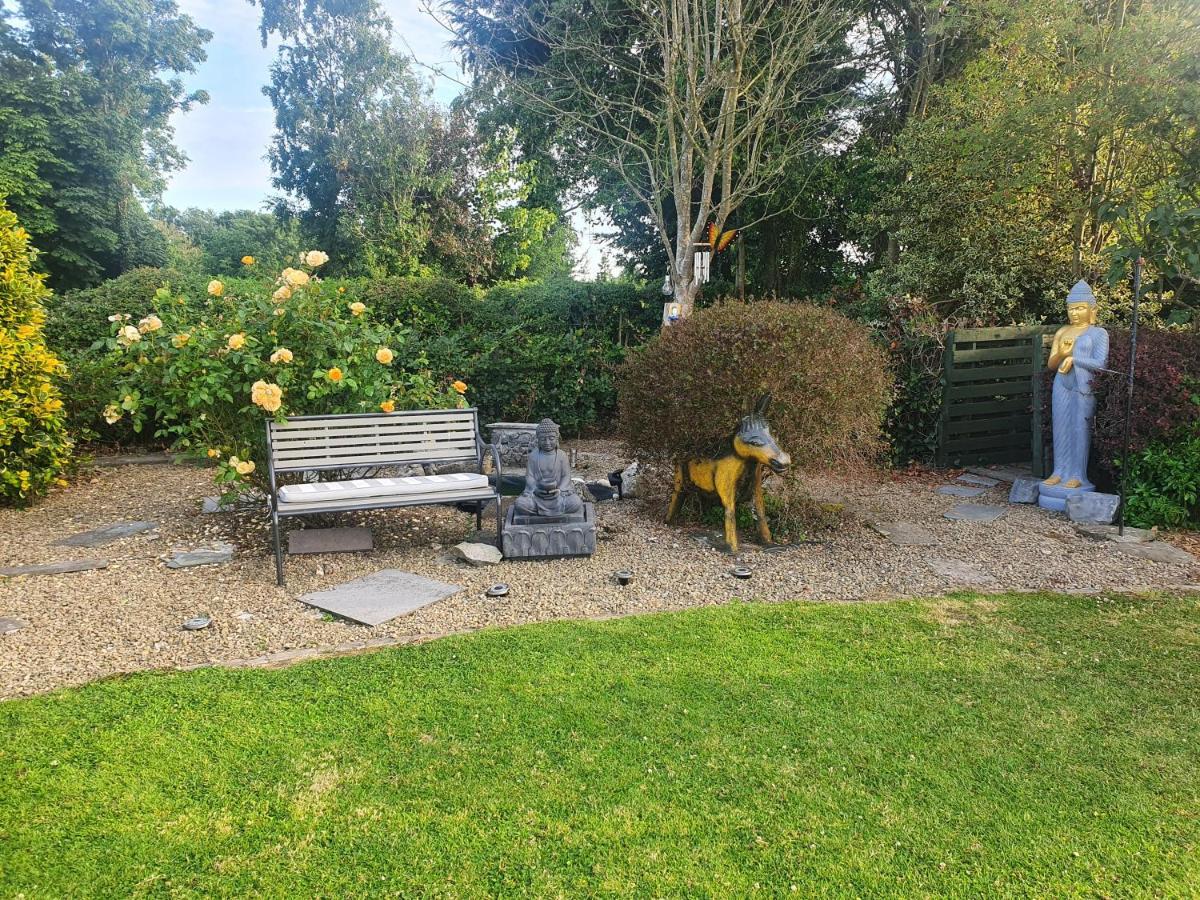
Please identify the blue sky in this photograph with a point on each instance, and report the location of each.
(226, 139)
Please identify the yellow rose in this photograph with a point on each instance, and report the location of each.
(128, 335)
(214, 453)
(247, 260)
(245, 467)
(384, 355)
(150, 323)
(316, 258)
(233, 461)
(358, 308)
(112, 414)
(282, 294)
(335, 374)
(283, 354)
(268, 396)
(342, 289)
(236, 341)
(216, 288)
(388, 406)
(294, 277)
(181, 340)
(460, 386)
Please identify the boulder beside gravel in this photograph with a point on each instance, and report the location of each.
(477, 554)
(1024, 490)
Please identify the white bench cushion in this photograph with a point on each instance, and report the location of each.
(408, 486)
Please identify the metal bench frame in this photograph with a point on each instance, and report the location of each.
(322, 443)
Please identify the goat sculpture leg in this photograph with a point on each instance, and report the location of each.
(677, 496)
(760, 504)
(728, 472)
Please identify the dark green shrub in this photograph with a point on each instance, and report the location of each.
(431, 306)
(77, 319)
(1164, 484)
(684, 391)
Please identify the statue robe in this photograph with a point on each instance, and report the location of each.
(1074, 406)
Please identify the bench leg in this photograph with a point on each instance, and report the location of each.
(278, 549)
(479, 516)
(499, 521)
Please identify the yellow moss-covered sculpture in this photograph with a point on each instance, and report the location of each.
(34, 446)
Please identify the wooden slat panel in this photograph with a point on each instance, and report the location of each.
(980, 406)
(1009, 333)
(359, 439)
(398, 427)
(1021, 369)
(997, 441)
(997, 389)
(991, 354)
(408, 416)
(988, 423)
(430, 450)
(366, 459)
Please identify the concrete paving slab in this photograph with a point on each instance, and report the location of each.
(10, 625)
(55, 568)
(977, 480)
(961, 490)
(974, 512)
(330, 540)
(184, 559)
(106, 534)
(378, 598)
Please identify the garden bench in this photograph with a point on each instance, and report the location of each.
(301, 444)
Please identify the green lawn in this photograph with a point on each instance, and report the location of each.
(1015, 746)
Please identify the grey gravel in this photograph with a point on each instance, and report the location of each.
(89, 625)
(961, 572)
(905, 534)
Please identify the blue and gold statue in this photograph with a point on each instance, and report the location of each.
(1079, 351)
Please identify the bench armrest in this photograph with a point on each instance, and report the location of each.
(495, 452)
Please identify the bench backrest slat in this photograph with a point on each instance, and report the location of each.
(311, 442)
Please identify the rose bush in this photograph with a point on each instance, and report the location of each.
(206, 377)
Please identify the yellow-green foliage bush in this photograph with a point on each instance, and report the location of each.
(34, 446)
(206, 376)
(684, 391)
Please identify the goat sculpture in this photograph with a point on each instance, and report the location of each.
(750, 456)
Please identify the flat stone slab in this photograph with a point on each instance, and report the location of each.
(184, 559)
(1112, 533)
(1159, 552)
(55, 568)
(974, 512)
(378, 598)
(961, 490)
(1003, 473)
(1024, 490)
(960, 572)
(8, 626)
(330, 540)
(905, 534)
(979, 480)
(1093, 508)
(106, 534)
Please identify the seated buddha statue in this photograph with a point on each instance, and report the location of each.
(548, 490)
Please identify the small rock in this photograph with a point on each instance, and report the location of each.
(477, 554)
(1024, 490)
(629, 481)
(1093, 508)
(8, 625)
(246, 616)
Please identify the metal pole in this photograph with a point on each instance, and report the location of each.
(1133, 327)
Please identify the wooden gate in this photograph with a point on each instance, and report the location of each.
(989, 413)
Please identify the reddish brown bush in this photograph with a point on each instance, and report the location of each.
(683, 392)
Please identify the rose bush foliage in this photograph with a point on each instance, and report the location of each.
(206, 378)
(34, 446)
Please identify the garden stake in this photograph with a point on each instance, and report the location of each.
(1137, 294)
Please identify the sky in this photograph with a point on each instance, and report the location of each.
(226, 139)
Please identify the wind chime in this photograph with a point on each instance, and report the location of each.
(717, 241)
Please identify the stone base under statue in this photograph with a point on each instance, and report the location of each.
(1054, 496)
(541, 537)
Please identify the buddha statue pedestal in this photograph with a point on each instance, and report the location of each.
(549, 519)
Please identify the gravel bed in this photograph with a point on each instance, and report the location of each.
(129, 616)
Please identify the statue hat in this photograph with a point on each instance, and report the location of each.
(546, 426)
(1081, 293)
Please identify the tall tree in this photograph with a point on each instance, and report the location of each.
(87, 90)
(693, 106)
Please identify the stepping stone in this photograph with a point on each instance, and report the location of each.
(961, 572)
(1159, 552)
(97, 537)
(978, 480)
(1112, 533)
(959, 490)
(1024, 490)
(375, 599)
(1004, 473)
(221, 553)
(8, 626)
(905, 534)
(973, 512)
(1093, 508)
(55, 568)
(477, 554)
(330, 540)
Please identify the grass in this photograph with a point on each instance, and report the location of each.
(1014, 746)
